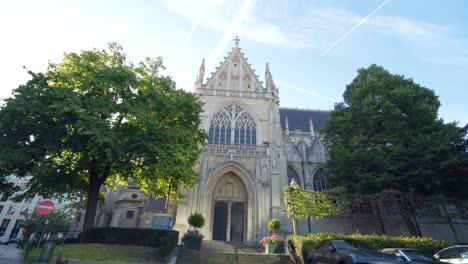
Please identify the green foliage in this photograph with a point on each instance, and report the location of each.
(96, 119)
(307, 203)
(59, 221)
(387, 135)
(304, 244)
(196, 220)
(129, 236)
(274, 225)
(164, 247)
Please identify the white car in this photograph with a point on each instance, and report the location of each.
(454, 254)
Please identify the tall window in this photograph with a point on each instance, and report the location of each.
(320, 180)
(233, 125)
(292, 174)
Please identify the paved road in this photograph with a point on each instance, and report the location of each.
(9, 254)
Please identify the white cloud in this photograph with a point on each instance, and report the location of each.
(315, 27)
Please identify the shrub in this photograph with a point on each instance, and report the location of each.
(274, 225)
(164, 247)
(304, 244)
(127, 236)
(196, 220)
(167, 243)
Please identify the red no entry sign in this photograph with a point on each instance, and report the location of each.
(45, 207)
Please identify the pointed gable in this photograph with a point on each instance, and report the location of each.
(235, 74)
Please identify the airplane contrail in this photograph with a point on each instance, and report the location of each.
(355, 27)
(233, 28)
(306, 91)
(188, 37)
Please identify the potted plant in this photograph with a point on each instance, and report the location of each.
(273, 244)
(192, 239)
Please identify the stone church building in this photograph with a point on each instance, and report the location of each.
(255, 148)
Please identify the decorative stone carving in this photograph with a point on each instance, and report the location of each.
(230, 188)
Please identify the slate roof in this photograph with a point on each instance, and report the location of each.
(298, 119)
(156, 204)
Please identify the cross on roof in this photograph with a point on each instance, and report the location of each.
(236, 41)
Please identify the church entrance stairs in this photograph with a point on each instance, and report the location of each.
(214, 252)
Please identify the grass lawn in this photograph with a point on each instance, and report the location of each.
(103, 252)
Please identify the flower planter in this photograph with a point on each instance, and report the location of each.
(193, 243)
(274, 248)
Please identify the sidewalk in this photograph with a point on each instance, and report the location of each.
(9, 254)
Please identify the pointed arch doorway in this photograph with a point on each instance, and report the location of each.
(229, 209)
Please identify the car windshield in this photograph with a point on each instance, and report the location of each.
(353, 244)
(416, 254)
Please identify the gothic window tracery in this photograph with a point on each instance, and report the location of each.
(233, 125)
(320, 180)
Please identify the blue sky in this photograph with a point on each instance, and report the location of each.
(424, 40)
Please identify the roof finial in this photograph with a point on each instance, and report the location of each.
(236, 41)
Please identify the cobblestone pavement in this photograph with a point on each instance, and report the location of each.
(9, 254)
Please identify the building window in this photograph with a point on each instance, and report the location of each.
(4, 226)
(4, 198)
(11, 210)
(24, 210)
(16, 228)
(130, 214)
(292, 174)
(1, 208)
(320, 180)
(233, 125)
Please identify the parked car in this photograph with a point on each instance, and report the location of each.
(347, 251)
(454, 254)
(4, 240)
(411, 255)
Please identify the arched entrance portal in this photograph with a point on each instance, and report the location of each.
(229, 209)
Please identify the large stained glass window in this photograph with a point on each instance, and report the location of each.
(233, 125)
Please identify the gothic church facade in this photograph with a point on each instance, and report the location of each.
(255, 149)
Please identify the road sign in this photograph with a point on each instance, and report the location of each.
(45, 207)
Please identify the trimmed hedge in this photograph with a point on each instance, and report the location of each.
(304, 244)
(128, 236)
(168, 242)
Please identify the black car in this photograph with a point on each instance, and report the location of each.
(347, 251)
(411, 255)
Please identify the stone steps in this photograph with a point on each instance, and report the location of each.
(214, 252)
(205, 257)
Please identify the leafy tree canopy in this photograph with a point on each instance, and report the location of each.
(97, 119)
(387, 135)
(59, 221)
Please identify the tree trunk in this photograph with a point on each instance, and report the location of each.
(410, 224)
(91, 207)
(295, 226)
(450, 222)
(379, 218)
(408, 218)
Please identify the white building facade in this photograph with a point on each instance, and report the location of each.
(11, 212)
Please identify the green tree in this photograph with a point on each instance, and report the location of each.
(59, 221)
(387, 135)
(96, 119)
(303, 203)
